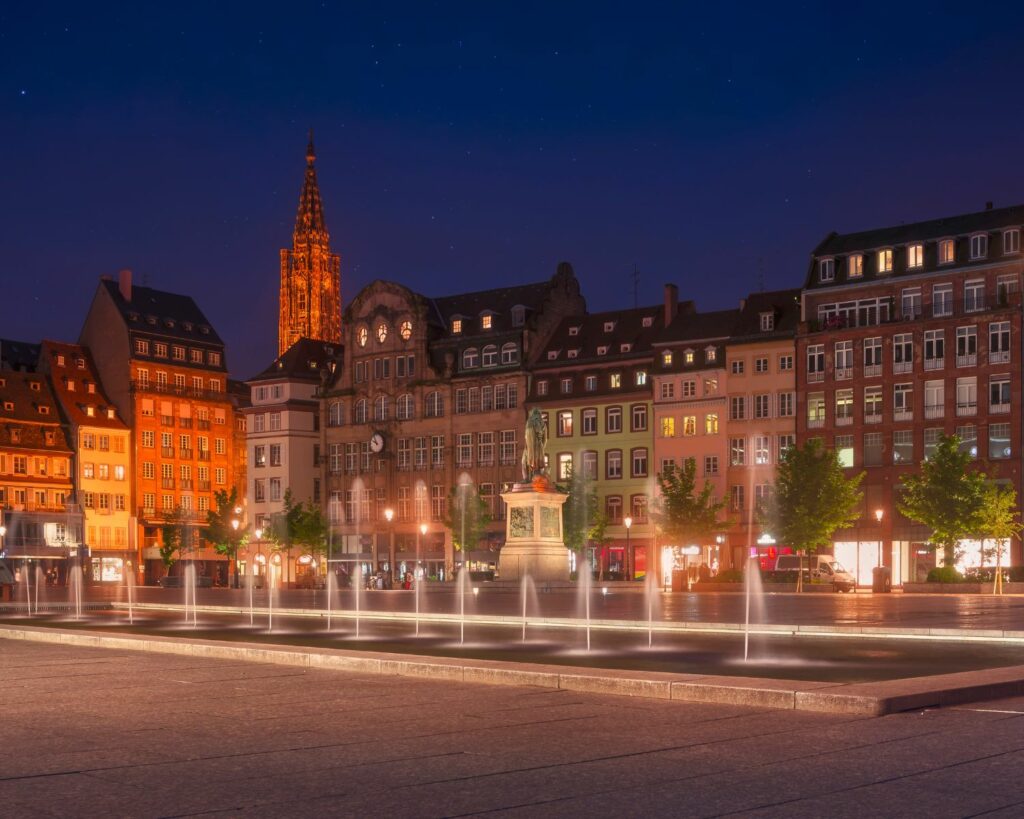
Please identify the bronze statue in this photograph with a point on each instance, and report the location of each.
(536, 443)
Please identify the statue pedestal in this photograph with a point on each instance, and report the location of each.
(533, 533)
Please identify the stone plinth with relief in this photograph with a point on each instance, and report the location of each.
(533, 533)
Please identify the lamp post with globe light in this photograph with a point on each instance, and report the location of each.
(389, 515)
(628, 567)
(422, 534)
(235, 523)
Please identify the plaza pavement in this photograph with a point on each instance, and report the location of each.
(96, 732)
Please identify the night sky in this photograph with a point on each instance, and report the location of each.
(463, 146)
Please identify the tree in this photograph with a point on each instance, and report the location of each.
(467, 517)
(219, 532)
(945, 496)
(174, 537)
(682, 512)
(998, 520)
(812, 499)
(583, 521)
(301, 524)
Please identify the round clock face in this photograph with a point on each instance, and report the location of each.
(382, 332)
(363, 335)
(377, 442)
(406, 330)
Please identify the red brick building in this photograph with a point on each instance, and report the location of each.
(909, 333)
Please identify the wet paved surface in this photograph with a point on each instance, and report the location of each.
(844, 659)
(93, 732)
(892, 610)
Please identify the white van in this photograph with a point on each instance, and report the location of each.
(821, 567)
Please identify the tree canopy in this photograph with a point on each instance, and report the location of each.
(683, 512)
(466, 513)
(175, 540)
(583, 520)
(219, 532)
(813, 498)
(946, 496)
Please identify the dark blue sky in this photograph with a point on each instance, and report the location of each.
(464, 146)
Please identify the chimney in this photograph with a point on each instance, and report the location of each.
(743, 304)
(988, 206)
(124, 284)
(671, 303)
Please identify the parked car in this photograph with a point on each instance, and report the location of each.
(819, 567)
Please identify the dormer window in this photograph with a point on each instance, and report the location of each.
(69, 384)
(542, 388)
(885, 260)
(609, 326)
(80, 363)
(456, 326)
(947, 251)
(767, 322)
(44, 410)
(915, 256)
(150, 319)
(1011, 241)
(688, 356)
(160, 349)
(572, 353)
(111, 412)
(486, 321)
(141, 346)
(187, 325)
(855, 266)
(666, 358)
(574, 330)
(90, 411)
(204, 330)
(625, 348)
(648, 321)
(518, 316)
(133, 317)
(34, 386)
(553, 355)
(641, 378)
(60, 361)
(710, 354)
(602, 350)
(169, 322)
(9, 406)
(979, 246)
(826, 270)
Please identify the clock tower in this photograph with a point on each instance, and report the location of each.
(310, 273)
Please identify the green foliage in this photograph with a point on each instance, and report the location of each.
(466, 513)
(812, 498)
(300, 524)
(683, 513)
(945, 574)
(946, 497)
(727, 576)
(219, 532)
(583, 521)
(998, 519)
(174, 537)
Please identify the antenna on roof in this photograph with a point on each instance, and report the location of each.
(636, 286)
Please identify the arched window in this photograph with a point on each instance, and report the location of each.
(380, 408)
(404, 410)
(361, 411)
(470, 358)
(336, 414)
(490, 355)
(434, 405)
(509, 354)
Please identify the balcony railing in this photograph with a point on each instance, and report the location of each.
(843, 420)
(186, 483)
(934, 410)
(903, 415)
(872, 418)
(968, 408)
(946, 308)
(204, 454)
(934, 363)
(167, 420)
(167, 483)
(815, 377)
(204, 486)
(844, 373)
(999, 357)
(203, 423)
(900, 367)
(969, 360)
(815, 423)
(167, 451)
(185, 454)
(184, 392)
(872, 370)
(185, 423)
(999, 409)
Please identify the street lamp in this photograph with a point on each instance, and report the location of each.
(389, 515)
(259, 551)
(628, 522)
(235, 523)
(879, 514)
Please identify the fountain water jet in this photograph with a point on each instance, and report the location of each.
(416, 596)
(528, 589)
(358, 586)
(75, 582)
(129, 582)
(652, 600)
(25, 585)
(39, 582)
(190, 595)
(754, 594)
(332, 587)
(586, 586)
(464, 589)
(250, 584)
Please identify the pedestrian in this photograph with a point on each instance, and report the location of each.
(407, 583)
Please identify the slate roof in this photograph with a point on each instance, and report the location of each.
(784, 305)
(18, 355)
(714, 325)
(146, 303)
(20, 408)
(74, 401)
(586, 335)
(302, 361)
